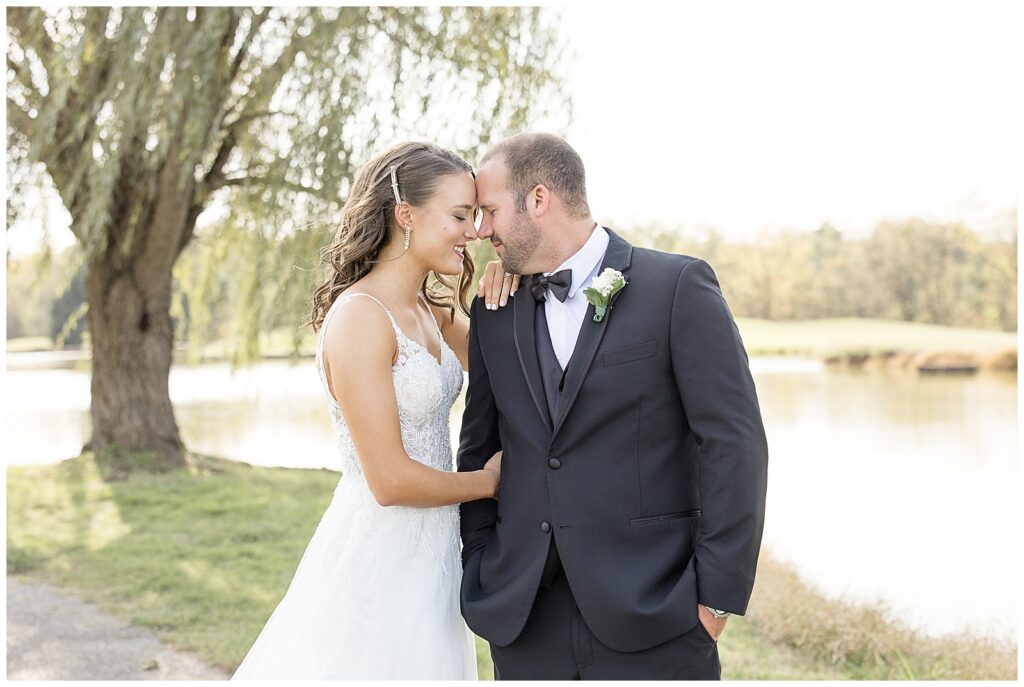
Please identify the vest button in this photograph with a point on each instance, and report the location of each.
(554, 463)
(545, 527)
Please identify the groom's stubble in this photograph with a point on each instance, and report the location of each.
(521, 243)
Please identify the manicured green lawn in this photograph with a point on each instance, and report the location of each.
(203, 555)
(820, 338)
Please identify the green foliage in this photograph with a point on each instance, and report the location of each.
(67, 321)
(43, 290)
(908, 270)
(233, 285)
(268, 103)
(144, 119)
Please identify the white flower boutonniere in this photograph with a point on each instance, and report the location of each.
(602, 290)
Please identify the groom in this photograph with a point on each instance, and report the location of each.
(632, 495)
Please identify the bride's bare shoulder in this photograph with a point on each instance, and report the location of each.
(359, 330)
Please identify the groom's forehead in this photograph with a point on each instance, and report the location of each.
(491, 176)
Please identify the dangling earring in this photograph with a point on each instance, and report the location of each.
(407, 230)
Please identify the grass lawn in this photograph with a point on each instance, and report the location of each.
(846, 336)
(812, 338)
(203, 555)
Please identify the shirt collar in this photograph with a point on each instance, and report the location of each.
(583, 261)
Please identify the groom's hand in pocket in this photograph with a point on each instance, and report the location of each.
(713, 625)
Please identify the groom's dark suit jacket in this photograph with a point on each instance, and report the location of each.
(651, 480)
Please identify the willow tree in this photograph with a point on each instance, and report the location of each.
(142, 118)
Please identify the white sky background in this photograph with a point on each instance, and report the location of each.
(742, 115)
(789, 114)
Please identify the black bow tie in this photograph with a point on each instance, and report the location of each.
(558, 283)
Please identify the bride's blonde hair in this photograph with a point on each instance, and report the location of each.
(368, 220)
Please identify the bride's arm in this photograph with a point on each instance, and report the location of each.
(494, 288)
(359, 374)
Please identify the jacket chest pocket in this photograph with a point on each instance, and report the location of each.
(629, 354)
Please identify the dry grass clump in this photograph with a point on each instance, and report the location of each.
(860, 641)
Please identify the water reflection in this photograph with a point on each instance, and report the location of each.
(886, 487)
(883, 487)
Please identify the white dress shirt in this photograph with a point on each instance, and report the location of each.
(565, 319)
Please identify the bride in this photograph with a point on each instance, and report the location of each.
(376, 593)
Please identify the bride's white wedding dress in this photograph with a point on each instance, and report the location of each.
(376, 594)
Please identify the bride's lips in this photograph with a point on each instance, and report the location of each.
(460, 250)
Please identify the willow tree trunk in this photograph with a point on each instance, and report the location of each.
(128, 287)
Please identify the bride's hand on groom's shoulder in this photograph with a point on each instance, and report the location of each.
(496, 285)
(493, 465)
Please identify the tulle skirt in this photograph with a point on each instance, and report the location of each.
(375, 596)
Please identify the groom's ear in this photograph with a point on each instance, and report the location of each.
(538, 200)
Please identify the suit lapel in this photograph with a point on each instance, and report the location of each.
(526, 348)
(617, 256)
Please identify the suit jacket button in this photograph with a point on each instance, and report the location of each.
(545, 527)
(554, 463)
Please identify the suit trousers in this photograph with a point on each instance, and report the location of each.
(556, 644)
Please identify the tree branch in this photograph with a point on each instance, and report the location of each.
(263, 89)
(262, 182)
(242, 119)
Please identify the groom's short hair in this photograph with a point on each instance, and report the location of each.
(538, 158)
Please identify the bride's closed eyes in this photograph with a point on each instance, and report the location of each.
(461, 217)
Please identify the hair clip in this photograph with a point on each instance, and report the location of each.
(394, 183)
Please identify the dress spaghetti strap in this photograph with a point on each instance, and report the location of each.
(374, 299)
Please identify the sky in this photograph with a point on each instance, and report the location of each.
(749, 116)
(745, 116)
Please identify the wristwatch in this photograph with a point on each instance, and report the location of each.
(717, 613)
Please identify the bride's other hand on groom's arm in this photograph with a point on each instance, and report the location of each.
(494, 465)
(496, 285)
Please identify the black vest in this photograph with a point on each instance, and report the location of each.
(554, 380)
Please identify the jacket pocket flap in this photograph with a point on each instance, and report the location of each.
(631, 353)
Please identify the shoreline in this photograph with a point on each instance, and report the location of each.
(962, 362)
(854, 343)
(931, 362)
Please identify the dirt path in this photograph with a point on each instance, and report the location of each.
(53, 636)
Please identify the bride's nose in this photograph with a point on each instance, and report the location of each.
(470, 233)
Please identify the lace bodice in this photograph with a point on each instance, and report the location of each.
(424, 390)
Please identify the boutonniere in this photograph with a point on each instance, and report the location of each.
(602, 290)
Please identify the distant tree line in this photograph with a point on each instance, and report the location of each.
(232, 284)
(909, 270)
